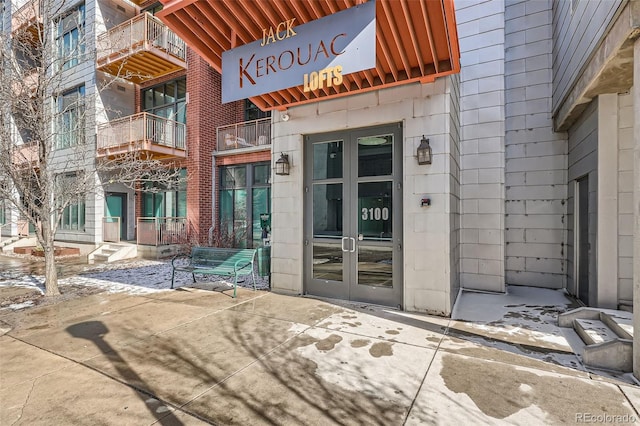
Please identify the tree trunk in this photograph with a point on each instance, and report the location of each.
(50, 271)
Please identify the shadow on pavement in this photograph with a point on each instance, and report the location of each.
(94, 331)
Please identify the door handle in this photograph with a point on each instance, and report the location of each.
(353, 240)
(342, 243)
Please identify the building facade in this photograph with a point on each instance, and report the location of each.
(143, 90)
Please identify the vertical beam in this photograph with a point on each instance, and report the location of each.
(636, 209)
(607, 240)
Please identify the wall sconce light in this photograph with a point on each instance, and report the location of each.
(282, 165)
(424, 151)
(284, 115)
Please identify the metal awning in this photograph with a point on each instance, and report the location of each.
(416, 40)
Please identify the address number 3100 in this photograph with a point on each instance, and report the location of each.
(375, 213)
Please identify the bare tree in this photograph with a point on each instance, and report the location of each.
(48, 154)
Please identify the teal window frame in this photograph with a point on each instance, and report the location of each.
(241, 191)
(165, 202)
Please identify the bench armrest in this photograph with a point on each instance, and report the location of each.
(181, 260)
(241, 264)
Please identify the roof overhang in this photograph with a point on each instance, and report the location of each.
(416, 40)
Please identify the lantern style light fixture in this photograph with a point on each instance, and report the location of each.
(424, 151)
(282, 165)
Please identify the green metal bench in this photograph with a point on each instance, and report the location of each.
(228, 262)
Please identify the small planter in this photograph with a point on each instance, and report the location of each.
(23, 250)
(58, 251)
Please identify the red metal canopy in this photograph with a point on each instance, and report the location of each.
(416, 40)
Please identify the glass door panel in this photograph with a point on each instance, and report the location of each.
(375, 266)
(375, 209)
(327, 261)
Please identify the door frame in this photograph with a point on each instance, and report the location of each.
(346, 288)
(124, 197)
(581, 287)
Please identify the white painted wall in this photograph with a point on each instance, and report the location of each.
(536, 156)
(482, 143)
(429, 277)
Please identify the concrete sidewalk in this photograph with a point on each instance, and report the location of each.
(194, 357)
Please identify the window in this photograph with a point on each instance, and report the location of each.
(167, 100)
(165, 202)
(245, 194)
(3, 219)
(70, 38)
(71, 118)
(252, 112)
(154, 9)
(73, 216)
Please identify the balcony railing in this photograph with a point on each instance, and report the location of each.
(28, 18)
(25, 155)
(141, 48)
(142, 132)
(111, 229)
(244, 135)
(158, 231)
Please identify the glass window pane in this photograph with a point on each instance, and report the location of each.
(147, 205)
(261, 174)
(170, 92)
(148, 99)
(226, 212)
(327, 262)
(375, 210)
(260, 200)
(158, 96)
(182, 88)
(182, 204)
(327, 210)
(375, 266)
(234, 177)
(240, 218)
(327, 160)
(375, 156)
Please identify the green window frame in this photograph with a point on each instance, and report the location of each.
(244, 194)
(160, 201)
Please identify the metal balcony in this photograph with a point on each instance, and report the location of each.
(248, 134)
(141, 49)
(26, 22)
(159, 137)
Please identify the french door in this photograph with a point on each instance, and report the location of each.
(353, 215)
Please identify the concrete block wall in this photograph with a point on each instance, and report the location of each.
(481, 31)
(423, 110)
(625, 198)
(536, 156)
(453, 109)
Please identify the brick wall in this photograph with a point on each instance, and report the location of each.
(205, 112)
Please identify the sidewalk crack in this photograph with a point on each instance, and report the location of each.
(24, 405)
